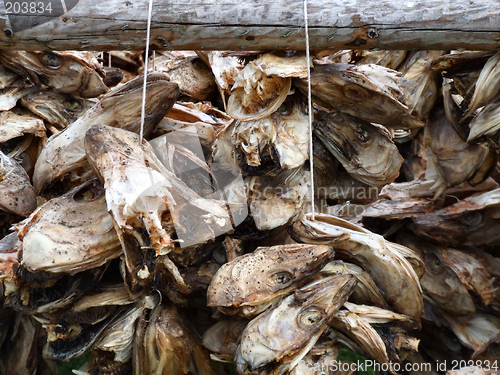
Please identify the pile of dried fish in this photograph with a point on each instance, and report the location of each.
(192, 243)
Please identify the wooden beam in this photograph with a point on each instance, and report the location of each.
(254, 25)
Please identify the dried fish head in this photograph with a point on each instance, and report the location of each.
(455, 160)
(264, 146)
(423, 97)
(366, 290)
(7, 77)
(292, 133)
(208, 120)
(475, 275)
(365, 150)
(17, 195)
(64, 153)
(58, 109)
(388, 59)
(10, 247)
(167, 345)
(223, 338)
(82, 216)
(21, 355)
(385, 262)
(276, 201)
(44, 292)
(295, 322)
(66, 72)
(476, 331)
(18, 123)
(255, 94)
(471, 222)
(9, 96)
(368, 92)
(439, 282)
(194, 77)
(142, 195)
(225, 67)
(322, 359)
(252, 282)
(72, 330)
(113, 348)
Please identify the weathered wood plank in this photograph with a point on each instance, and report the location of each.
(259, 25)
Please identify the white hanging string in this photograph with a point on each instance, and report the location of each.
(148, 35)
(309, 107)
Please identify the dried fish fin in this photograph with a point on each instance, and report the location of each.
(362, 333)
(366, 290)
(487, 85)
(486, 123)
(368, 250)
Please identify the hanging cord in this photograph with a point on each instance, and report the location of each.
(148, 35)
(309, 107)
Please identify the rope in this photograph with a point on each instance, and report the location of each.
(309, 107)
(143, 104)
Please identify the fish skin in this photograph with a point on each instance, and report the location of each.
(80, 215)
(17, 194)
(64, 153)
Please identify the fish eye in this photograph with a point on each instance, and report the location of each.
(219, 255)
(362, 134)
(197, 64)
(280, 278)
(72, 105)
(472, 218)
(434, 263)
(284, 109)
(86, 195)
(494, 350)
(311, 317)
(451, 342)
(354, 93)
(51, 59)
